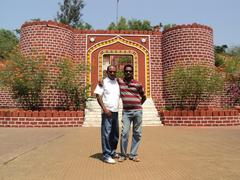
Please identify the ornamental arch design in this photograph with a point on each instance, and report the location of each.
(103, 45)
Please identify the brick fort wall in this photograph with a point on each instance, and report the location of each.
(184, 44)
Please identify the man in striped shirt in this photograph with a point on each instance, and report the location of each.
(133, 97)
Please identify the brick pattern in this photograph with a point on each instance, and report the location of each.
(20, 119)
(6, 100)
(200, 121)
(186, 45)
(79, 52)
(54, 43)
(156, 67)
(201, 118)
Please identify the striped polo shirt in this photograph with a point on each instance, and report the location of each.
(131, 94)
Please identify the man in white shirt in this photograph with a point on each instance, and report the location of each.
(108, 97)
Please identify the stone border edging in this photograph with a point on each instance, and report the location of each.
(200, 113)
(201, 118)
(48, 118)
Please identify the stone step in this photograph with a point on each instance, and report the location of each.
(98, 114)
(93, 114)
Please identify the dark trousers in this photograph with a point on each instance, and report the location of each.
(109, 134)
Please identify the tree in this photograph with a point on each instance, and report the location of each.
(219, 53)
(8, 41)
(70, 13)
(167, 26)
(220, 49)
(112, 26)
(84, 25)
(135, 24)
(132, 24)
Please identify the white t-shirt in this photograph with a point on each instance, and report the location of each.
(110, 92)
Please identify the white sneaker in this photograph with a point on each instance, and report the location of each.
(109, 160)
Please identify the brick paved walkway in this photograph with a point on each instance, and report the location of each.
(171, 153)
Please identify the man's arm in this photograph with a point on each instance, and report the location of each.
(100, 102)
(142, 94)
(143, 98)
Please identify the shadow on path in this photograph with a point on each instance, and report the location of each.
(97, 156)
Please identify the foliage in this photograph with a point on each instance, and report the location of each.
(219, 52)
(122, 24)
(169, 107)
(192, 85)
(220, 49)
(232, 68)
(132, 24)
(70, 13)
(84, 25)
(68, 81)
(167, 26)
(125, 59)
(8, 41)
(119, 74)
(228, 61)
(219, 60)
(232, 71)
(139, 25)
(25, 78)
(234, 92)
(235, 51)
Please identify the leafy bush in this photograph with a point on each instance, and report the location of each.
(232, 70)
(191, 85)
(8, 41)
(25, 78)
(68, 81)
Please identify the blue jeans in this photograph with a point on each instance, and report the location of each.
(109, 134)
(129, 117)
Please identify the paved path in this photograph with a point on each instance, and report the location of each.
(171, 153)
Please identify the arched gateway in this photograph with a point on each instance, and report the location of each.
(118, 45)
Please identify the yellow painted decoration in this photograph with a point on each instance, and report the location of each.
(133, 53)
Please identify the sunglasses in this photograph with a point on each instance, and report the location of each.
(128, 71)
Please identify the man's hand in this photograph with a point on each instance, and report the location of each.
(100, 83)
(107, 112)
(143, 99)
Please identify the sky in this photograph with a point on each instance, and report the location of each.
(221, 15)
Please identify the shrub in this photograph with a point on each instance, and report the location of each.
(231, 68)
(194, 84)
(25, 78)
(68, 81)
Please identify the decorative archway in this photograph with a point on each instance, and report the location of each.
(126, 42)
